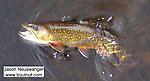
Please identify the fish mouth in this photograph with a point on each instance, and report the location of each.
(28, 34)
(24, 33)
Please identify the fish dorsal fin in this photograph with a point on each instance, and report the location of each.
(57, 46)
(84, 52)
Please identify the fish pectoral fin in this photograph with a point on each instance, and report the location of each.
(57, 46)
(84, 52)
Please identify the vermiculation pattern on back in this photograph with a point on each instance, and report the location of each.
(75, 34)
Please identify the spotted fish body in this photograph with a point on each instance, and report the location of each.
(72, 34)
(78, 35)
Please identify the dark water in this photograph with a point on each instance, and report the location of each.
(134, 15)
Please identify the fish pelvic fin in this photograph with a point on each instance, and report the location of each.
(84, 52)
(56, 46)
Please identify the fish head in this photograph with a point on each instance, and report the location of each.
(36, 33)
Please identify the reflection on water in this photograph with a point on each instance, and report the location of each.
(39, 58)
(105, 70)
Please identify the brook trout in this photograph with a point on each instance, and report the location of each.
(73, 34)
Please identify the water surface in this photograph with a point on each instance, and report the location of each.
(14, 51)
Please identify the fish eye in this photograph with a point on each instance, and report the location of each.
(35, 27)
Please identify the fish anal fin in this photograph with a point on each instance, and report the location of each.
(84, 52)
(56, 46)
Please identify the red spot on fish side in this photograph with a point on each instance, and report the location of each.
(85, 39)
(65, 36)
(81, 40)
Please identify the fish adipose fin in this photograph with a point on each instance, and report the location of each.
(84, 52)
(56, 46)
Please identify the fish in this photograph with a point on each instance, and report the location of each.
(58, 34)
